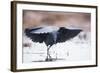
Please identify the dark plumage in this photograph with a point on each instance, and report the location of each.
(50, 38)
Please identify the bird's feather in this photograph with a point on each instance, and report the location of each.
(50, 38)
(36, 37)
(46, 29)
(65, 34)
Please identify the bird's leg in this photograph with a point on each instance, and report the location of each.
(48, 54)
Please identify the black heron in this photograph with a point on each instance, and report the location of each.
(59, 35)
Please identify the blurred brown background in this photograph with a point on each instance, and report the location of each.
(61, 19)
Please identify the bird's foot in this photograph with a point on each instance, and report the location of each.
(48, 59)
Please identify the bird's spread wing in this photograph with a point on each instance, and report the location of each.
(36, 37)
(62, 35)
(67, 34)
(46, 29)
